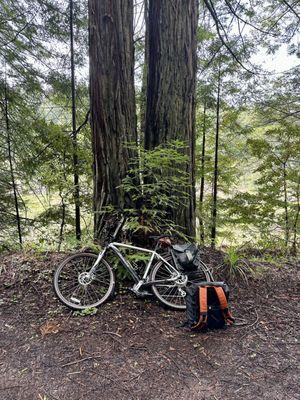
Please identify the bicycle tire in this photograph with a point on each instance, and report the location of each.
(160, 271)
(103, 277)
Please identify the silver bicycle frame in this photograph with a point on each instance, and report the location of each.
(114, 247)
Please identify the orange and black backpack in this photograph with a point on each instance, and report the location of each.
(207, 306)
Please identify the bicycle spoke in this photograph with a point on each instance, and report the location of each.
(77, 288)
(170, 293)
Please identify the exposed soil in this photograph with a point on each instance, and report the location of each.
(132, 349)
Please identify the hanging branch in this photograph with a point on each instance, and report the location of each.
(19, 32)
(291, 8)
(219, 25)
(238, 17)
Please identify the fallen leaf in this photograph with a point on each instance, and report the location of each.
(49, 327)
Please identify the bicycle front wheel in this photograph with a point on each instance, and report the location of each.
(172, 294)
(77, 287)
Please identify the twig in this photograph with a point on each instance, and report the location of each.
(256, 320)
(251, 325)
(10, 387)
(111, 333)
(135, 377)
(80, 360)
(239, 324)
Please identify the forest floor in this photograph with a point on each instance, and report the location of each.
(132, 349)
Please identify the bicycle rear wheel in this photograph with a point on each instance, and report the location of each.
(77, 288)
(172, 294)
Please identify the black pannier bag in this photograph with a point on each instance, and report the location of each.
(207, 306)
(187, 256)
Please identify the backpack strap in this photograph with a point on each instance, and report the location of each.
(224, 304)
(202, 307)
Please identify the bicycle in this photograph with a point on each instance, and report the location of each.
(85, 280)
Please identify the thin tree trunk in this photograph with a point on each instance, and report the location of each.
(202, 181)
(63, 205)
(10, 160)
(216, 172)
(113, 117)
(63, 221)
(286, 213)
(74, 131)
(170, 110)
(294, 246)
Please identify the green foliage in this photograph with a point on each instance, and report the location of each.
(86, 312)
(273, 209)
(236, 266)
(156, 185)
(35, 77)
(258, 182)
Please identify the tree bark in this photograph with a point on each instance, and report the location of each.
(113, 117)
(74, 130)
(170, 110)
(216, 171)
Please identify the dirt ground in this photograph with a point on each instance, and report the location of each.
(132, 349)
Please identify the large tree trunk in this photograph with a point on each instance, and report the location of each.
(113, 117)
(143, 99)
(170, 112)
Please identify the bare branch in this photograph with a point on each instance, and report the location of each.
(291, 8)
(246, 22)
(212, 11)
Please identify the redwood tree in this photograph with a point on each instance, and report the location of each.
(113, 116)
(170, 109)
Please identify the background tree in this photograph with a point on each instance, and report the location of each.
(170, 109)
(113, 117)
